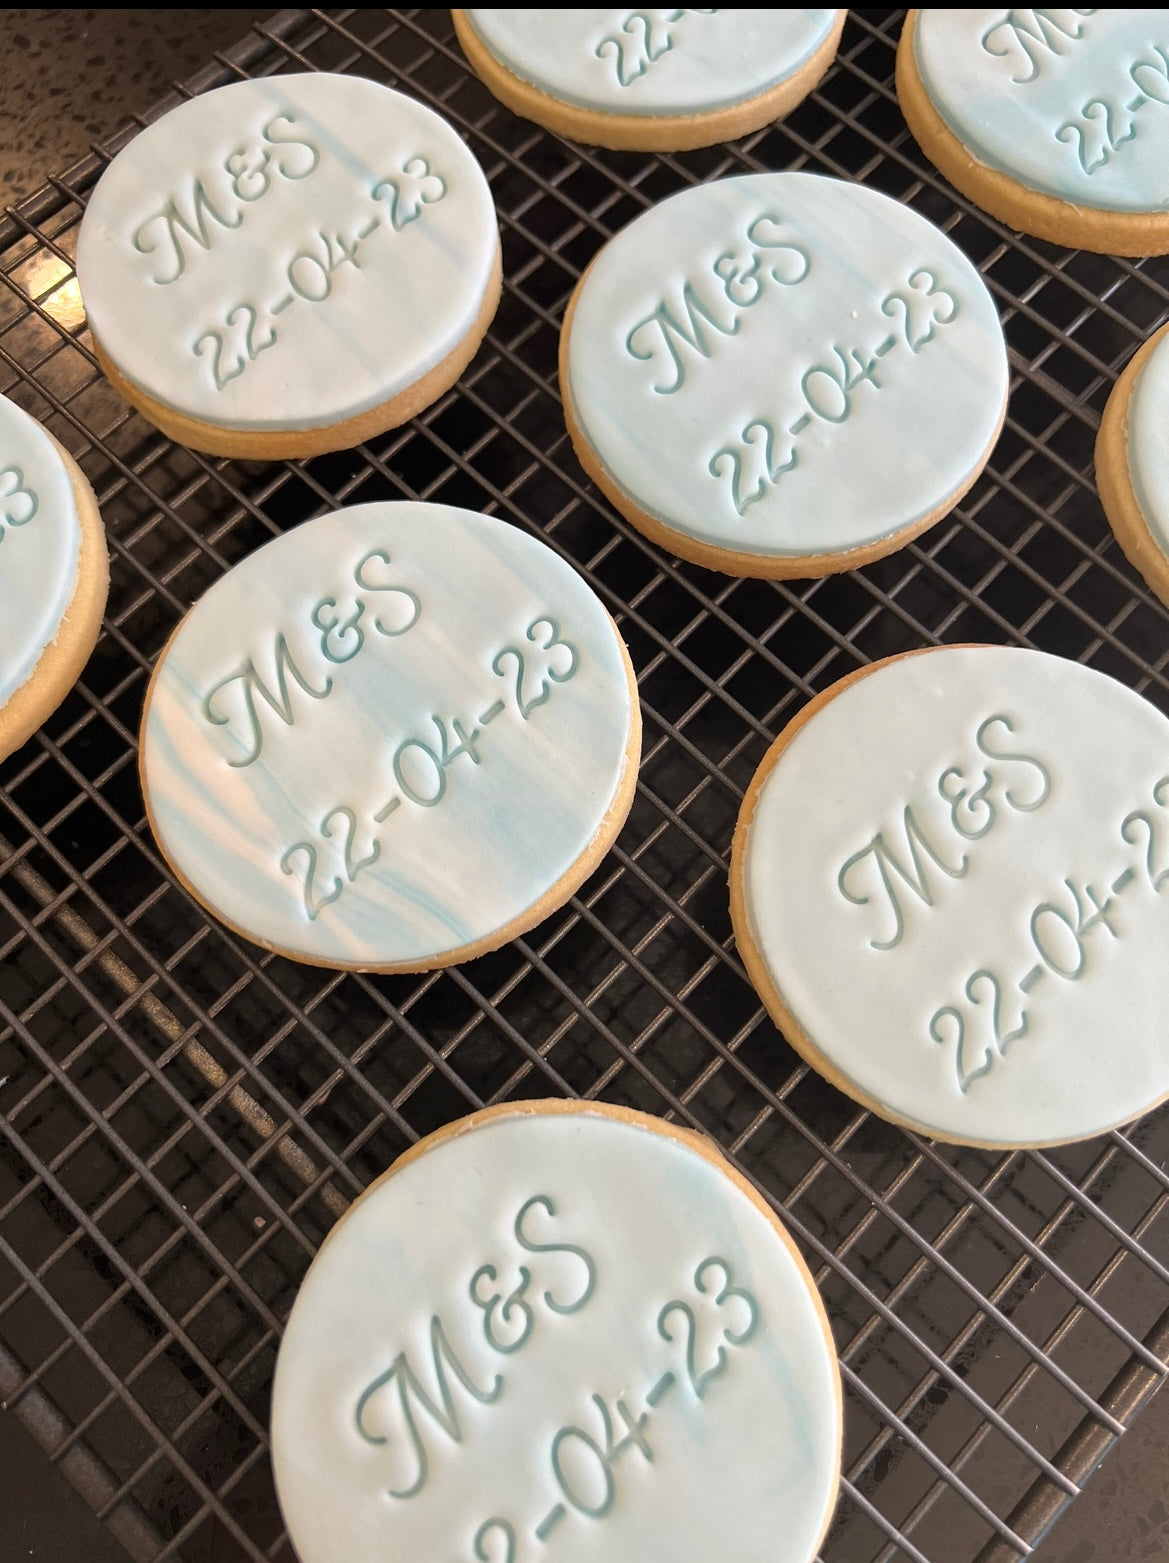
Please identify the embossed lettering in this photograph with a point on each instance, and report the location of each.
(439, 1408)
(290, 138)
(496, 1303)
(533, 1247)
(18, 503)
(1030, 36)
(674, 334)
(644, 37)
(983, 741)
(886, 862)
(177, 223)
(251, 687)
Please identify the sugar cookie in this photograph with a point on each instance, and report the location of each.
(782, 374)
(1056, 122)
(54, 575)
(289, 265)
(1132, 462)
(950, 886)
(657, 81)
(392, 739)
(558, 1329)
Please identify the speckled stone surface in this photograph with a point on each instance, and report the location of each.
(68, 78)
(1123, 1515)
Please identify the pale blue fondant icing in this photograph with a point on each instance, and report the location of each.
(1073, 103)
(1148, 451)
(710, 1453)
(979, 837)
(287, 252)
(785, 364)
(653, 62)
(343, 755)
(40, 542)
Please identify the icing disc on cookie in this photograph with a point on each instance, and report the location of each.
(950, 884)
(288, 252)
(783, 368)
(40, 545)
(396, 736)
(557, 1331)
(643, 62)
(1071, 103)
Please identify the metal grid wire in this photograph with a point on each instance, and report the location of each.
(184, 1116)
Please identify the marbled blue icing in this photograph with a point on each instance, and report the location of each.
(40, 541)
(1147, 445)
(785, 364)
(381, 619)
(653, 62)
(979, 837)
(1074, 103)
(287, 252)
(743, 1470)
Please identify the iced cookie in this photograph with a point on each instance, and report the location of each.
(782, 374)
(1056, 122)
(289, 265)
(658, 81)
(392, 739)
(1132, 462)
(559, 1330)
(950, 886)
(54, 575)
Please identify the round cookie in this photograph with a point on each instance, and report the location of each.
(392, 739)
(1132, 464)
(289, 265)
(656, 81)
(54, 575)
(950, 887)
(782, 374)
(563, 1328)
(1055, 122)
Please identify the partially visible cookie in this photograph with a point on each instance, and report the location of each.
(782, 374)
(950, 887)
(657, 81)
(392, 739)
(54, 575)
(558, 1330)
(1132, 462)
(289, 265)
(1056, 122)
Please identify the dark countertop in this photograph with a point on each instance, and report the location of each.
(71, 77)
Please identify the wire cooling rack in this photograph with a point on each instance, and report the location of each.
(184, 1116)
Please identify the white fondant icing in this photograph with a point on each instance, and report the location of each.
(1074, 103)
(785, 364)
(384, 668)
(746, 1472)
(40, 542)
(237, 265)
(1064, 803)
(1148, 459)
(653, 62)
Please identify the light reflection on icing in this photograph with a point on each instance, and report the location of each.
(653, 62)
(387, 734)
(1074, 103)
(957, 919)
(40, 540)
